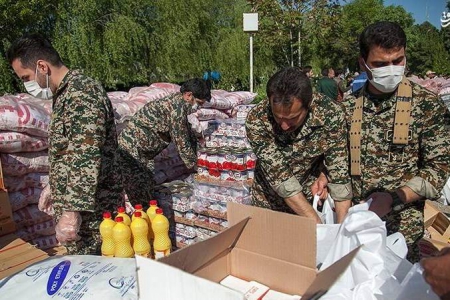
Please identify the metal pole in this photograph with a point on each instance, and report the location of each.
(251, 62)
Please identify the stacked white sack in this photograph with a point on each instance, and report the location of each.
(24, 122)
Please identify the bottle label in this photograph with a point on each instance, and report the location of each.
(160, 254)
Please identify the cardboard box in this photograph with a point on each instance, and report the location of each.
(438, 226)
(275, 249)
(16, 254)
(7, 224)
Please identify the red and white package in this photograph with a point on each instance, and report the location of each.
(23, 115)
(45, 242)
(13, 142)
(19, 164)
(24, 197)
(17, 183)
(30, 215)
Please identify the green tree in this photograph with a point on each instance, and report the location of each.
(17, 18)
(108, 39)
(426, 50)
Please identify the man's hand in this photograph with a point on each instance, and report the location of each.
(319, 187)
(301, 207)
(381, 203)
(437, 273)
(68, 227)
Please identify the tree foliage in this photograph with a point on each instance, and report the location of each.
(125, 43)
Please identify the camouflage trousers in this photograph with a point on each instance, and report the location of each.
(137, 176)
(410, 223)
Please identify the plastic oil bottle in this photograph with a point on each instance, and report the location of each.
(122, 239)
(138, 207)
(139, 231)
(162, 243)
(151, 212)
(121, 213)
(106, 231)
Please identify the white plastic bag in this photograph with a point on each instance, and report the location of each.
(328, 214)
(414, 286)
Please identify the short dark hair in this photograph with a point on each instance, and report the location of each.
(387, 35)
(32, 47)
(198, 88)
(325, 71)
(306, 69)
(287, 83)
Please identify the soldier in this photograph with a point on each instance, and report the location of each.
(84, 178)
(399, 149)
(294, 134)
(151, 130)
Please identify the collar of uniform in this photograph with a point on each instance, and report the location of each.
(378, 104)
(62, 86)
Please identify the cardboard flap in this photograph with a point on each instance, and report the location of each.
(263, 234)
(198, 255)
(163, 282)
(326, 278)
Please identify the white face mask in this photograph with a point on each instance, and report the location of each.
(386, 79)
(35, 89)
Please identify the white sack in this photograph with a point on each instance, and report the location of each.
(74, 277)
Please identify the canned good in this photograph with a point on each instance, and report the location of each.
(211, 160)
(214, 174)
(201, 157)
(251, 173)
(250, 159)
(240, 175)
(239, 163)
(221, 158)
(202, 171)
(226, 175)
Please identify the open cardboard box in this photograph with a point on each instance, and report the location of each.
(438, 225)
(16, 255)
(7, 224)
(272, 248)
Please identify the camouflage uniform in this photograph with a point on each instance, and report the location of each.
(422, 165)
(84, 173)
(149, 132)
(288, 163)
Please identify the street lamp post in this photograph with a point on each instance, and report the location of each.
(251, 26)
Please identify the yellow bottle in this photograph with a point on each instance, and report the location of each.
(138, 207)
(162, 243)
(121, 213)
(106, 231)
(151, 212)
(122, 239)
(139, 231)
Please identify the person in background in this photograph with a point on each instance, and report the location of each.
(84, 175)
(294, 136)
(151, 130)
(436, 272)
(400, 153)
(308, 71)
(326, 84)
(430, 74)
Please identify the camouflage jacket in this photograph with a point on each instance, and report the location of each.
(286, 162)
(161, 122)
(83, 171)
(422, 165)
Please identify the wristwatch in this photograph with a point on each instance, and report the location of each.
(397, 203)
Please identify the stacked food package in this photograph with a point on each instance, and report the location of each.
(225, 169)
